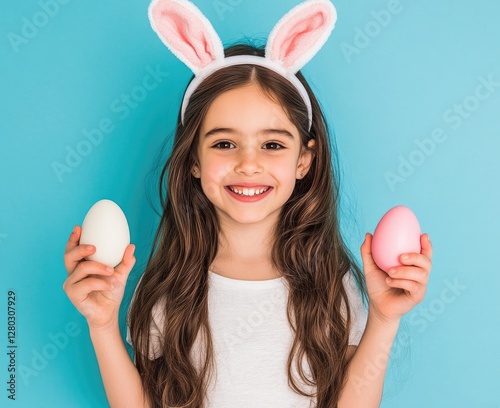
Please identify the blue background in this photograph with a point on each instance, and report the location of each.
(386, 81)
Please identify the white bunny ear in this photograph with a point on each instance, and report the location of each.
(186, 32)
(300, 34)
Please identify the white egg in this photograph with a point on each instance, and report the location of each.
(106, 227)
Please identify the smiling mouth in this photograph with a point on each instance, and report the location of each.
(245, 191)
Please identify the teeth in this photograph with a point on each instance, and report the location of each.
(249, 191)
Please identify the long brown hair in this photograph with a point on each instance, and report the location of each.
(308, 250)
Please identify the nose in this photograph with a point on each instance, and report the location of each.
(248, 161)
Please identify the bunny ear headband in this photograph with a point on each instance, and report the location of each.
(293, 41)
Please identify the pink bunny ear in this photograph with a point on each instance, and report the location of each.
(186, 32)
(300, 34)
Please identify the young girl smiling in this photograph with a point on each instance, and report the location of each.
(250, 297)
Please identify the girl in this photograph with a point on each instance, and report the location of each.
(250, 296)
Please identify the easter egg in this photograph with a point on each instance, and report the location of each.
(397, 232)
(105, 226)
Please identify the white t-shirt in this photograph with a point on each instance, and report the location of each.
(252, 340)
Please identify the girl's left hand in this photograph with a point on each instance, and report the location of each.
(395, 294)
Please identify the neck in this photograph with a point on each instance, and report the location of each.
(245, 250)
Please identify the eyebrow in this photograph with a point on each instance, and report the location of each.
(217, 130)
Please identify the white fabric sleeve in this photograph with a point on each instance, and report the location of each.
(358, 312)
(155, 335)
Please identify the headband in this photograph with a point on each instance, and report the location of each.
(293, 41)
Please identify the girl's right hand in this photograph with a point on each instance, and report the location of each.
(94, 289)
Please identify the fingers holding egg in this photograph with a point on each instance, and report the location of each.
(89, 269)
(412, 288)
(71, 252)
(426, 246)
(409, 273)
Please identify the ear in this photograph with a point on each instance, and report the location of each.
(300, 34)
(195, 171)
(305, 160)
(186, 32)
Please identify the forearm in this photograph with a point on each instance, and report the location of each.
(367, 367)
(119, 374)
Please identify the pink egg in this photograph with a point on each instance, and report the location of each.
(397, 232)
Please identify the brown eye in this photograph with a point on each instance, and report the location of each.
(220, 143)
(274, 144)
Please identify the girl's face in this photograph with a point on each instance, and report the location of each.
(246, 137)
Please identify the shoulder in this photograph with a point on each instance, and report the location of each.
(351, 349)
(158, 313)
(351, 286)
(357, 309)
(353, 291)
